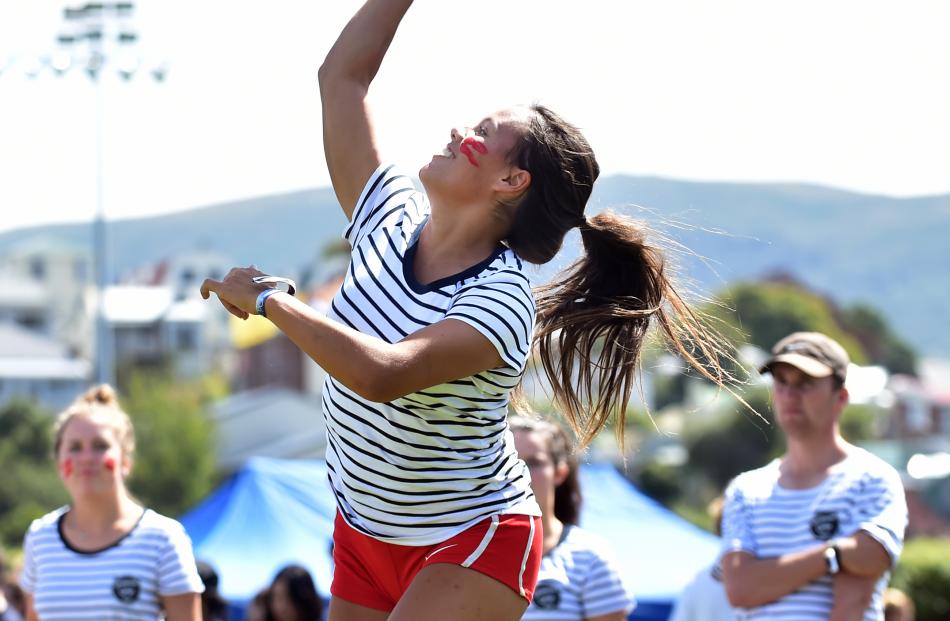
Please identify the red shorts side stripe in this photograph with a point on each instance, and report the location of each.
(483, 544)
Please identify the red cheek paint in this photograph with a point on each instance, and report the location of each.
(66, 468)
(109, 463)
(466, 149)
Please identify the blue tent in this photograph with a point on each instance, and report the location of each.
(274, 512)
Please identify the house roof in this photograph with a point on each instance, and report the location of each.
(19, 292)
(136, 304)
(28, 354)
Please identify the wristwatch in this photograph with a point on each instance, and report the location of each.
(833, 558)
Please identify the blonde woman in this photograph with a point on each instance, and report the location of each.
(104, 555)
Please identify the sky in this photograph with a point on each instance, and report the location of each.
(849, 94)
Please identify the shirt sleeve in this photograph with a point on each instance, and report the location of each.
(736, 530)
(177, 570)
(28, 573)
(501, 308)
(603, 590)
(882, 510)
(383, 198)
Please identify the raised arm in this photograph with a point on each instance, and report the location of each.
(345, 76)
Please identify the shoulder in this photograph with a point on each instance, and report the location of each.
(505, 272)
(156, 525)
(47, 524)
(867, 467)
(755, 481)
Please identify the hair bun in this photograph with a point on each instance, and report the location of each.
(103, 394)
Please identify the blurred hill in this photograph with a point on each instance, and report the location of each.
(890, 253)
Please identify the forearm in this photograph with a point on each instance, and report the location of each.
(360, 48)
(852, 597)
(364, 364)
(752, 582)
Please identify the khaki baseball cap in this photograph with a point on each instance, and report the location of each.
(812, 353)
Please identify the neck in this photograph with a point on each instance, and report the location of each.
(552, 529)
(452, 242)
(102, 512)
(814, 456)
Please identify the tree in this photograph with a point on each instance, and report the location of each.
(29, 486)
(765, 312)
(174, 465)
(879, 341)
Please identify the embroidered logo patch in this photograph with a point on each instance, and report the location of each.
(824, 525)
(126, 589)
(547, 595)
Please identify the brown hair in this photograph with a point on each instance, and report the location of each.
(98, 401)
(592, 318)
(567, 495)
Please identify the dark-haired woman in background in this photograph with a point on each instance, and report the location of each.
(578, 580)
(104, 556)
(432, 329)
(293, 596)
(213, 606)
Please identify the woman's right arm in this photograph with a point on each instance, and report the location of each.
(345, 77)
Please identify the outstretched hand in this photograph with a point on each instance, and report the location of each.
(237, 292)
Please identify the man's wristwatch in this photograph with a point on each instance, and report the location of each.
(833, 558)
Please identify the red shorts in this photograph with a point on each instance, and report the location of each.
(375, 574)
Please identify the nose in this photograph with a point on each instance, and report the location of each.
(460, 135)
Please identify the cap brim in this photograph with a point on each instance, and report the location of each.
(807, 365)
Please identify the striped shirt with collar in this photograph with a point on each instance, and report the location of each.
(124, 580)
(862, 493)
(578, 580)
(422, 468)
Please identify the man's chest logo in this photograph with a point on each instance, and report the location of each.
(824, 525)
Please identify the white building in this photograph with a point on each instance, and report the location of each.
(35, 367)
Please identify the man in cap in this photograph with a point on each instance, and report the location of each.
(813, 534)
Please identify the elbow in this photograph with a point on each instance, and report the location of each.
(325, 73)
(380, 385)
(739, 594)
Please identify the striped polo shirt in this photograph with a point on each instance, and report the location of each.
(122, 581)
(578, 580)
(862, 493)
(421, 468)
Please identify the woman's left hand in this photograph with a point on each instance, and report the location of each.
(237, 292)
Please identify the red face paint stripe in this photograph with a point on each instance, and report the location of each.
(66, 468)
(464, 150)
(109, 464)
(478, 146)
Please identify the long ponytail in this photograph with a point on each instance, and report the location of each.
(593, 318)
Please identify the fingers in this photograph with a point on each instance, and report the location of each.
(208, 286)
(234, 310)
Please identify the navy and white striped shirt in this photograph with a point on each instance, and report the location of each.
(761, 517)
(123, 581)
(424, 467)
(578, 579)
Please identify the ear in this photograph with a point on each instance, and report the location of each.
(515, 183)
(560, 473)
(841, 401)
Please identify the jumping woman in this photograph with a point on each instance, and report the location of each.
(432, 329)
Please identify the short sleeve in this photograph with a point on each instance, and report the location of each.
(882, 510)
(603, 590)
(501, 308)
(177, 570)
(28, 573)
(736, 531)
(385, 195)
